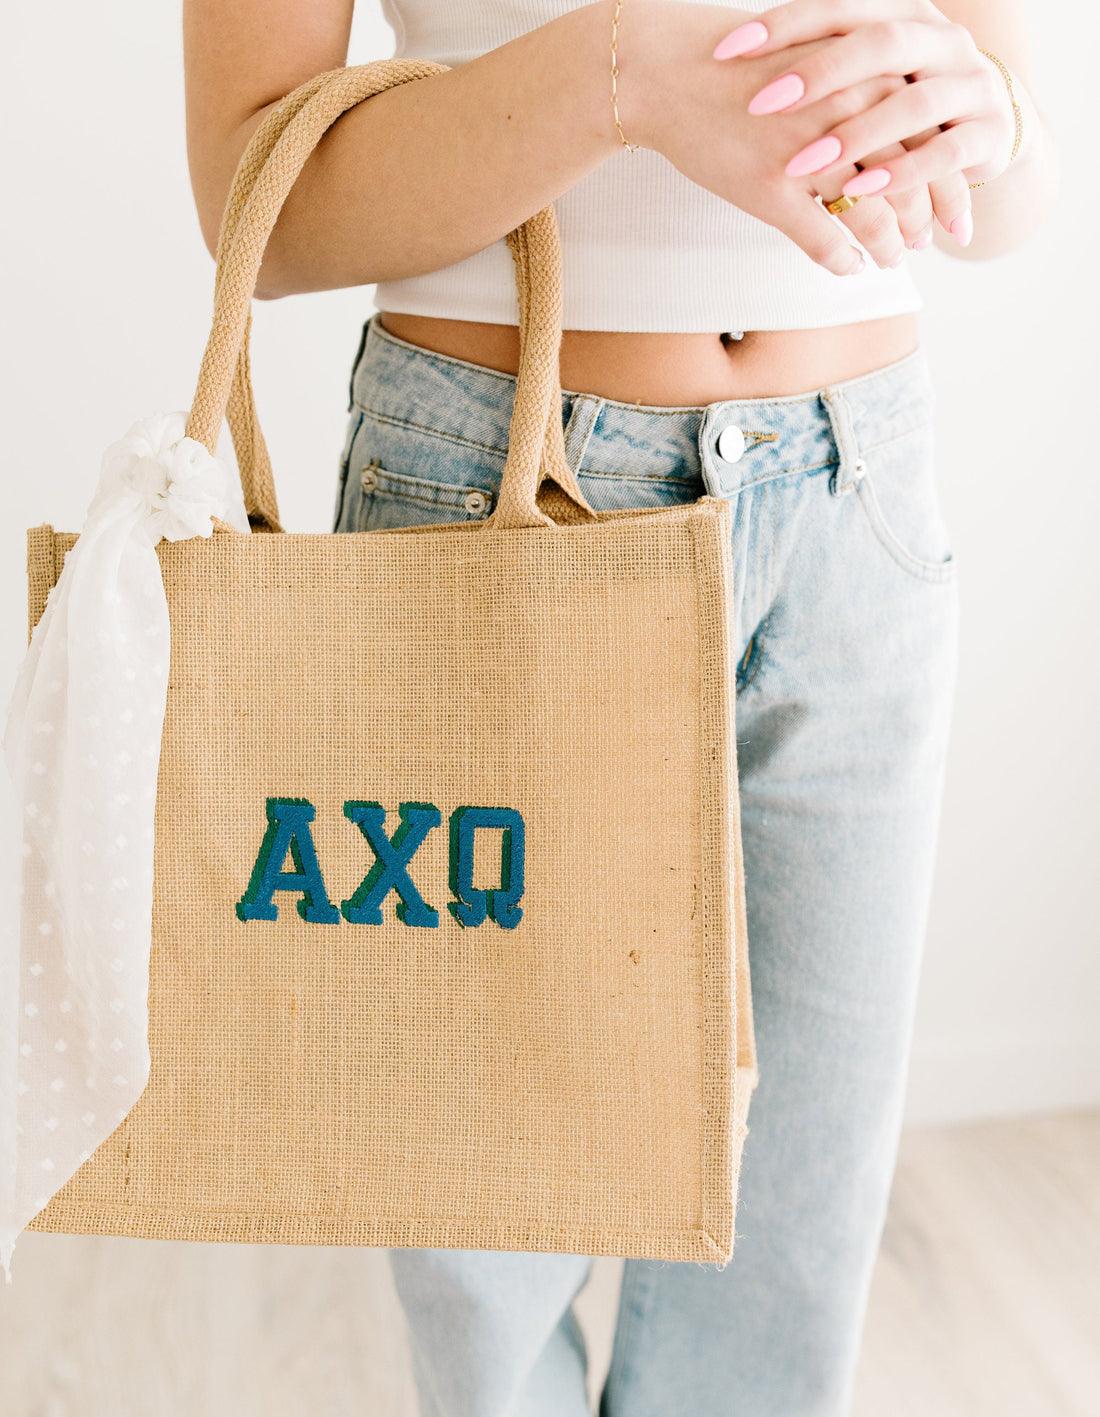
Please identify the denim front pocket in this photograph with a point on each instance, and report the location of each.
(399, 476)
(391, 499)
(898, 493)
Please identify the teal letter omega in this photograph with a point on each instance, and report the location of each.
(288, 820)
(469, 906)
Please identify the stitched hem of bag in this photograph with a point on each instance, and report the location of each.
(233, 1227)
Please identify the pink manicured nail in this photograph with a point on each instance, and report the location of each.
(873, 179)
(923, 240)
(962, 228)
(814, 156)
(741, 40)
(893, 265)
(781, 92)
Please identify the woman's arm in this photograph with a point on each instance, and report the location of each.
(423, 175)
(416, 178)
(413, 179)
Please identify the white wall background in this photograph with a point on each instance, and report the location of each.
(107, 292)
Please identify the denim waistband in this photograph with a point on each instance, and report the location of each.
(830, 428)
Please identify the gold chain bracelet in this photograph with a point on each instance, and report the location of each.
(614, 75)
(1015, 110)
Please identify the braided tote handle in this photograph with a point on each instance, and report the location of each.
(253, 460)
(267, 170)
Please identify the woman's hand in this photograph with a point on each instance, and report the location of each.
(953, 114)
(675, 98)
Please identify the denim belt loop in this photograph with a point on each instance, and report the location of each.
(852, 467)
(582, 419)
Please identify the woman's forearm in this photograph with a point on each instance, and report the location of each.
(423, 175)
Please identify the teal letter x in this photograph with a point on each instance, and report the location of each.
(390, 870)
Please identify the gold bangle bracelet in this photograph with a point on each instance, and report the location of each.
(633, 147)
(1015, 110)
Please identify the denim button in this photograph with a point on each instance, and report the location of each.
(476, 501)
(368, 478)
(731, 443)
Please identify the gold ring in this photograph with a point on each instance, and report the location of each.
(841, 204)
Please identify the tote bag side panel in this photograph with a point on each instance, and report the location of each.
(45, 555)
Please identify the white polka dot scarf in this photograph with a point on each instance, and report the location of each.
(77, 806)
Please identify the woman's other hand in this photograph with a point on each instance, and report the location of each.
(949, 124)
(677, 99)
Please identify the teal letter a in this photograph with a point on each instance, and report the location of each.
(288, 820)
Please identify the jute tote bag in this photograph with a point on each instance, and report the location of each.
(448, 934)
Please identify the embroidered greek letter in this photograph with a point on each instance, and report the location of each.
(390, 870)
(469, 906)
(288, 820)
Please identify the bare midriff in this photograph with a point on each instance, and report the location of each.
(680, 370)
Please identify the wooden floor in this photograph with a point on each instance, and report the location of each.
(986, 1299)
(986, 1303)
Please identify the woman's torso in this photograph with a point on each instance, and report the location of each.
(642, 244)
(685, 370)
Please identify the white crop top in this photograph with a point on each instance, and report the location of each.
(643, 247)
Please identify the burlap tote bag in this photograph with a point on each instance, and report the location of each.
(448, 932)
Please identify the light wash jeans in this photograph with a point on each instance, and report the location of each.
(845, 603)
